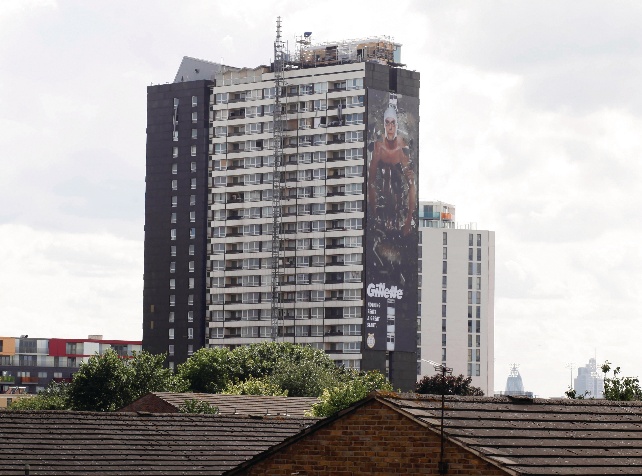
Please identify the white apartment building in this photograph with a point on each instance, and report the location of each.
(457, 283)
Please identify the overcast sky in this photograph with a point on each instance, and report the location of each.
(531, 121)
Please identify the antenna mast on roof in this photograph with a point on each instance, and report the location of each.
(279, 65)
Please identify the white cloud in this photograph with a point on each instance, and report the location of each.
(69, 285)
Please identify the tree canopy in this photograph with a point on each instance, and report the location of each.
(351, 387)
(620, 388)
(108, 382)
(280, 368)
(301, 370)
(54, 397)
(453, 385)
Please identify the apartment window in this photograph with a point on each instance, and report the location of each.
(445, 238)
(352, 294)
(172, 218)
(470, 254)
(192, 200)
(218, 149)
(192, 216)
(444, 267)
(172, 234)
(443, 355)
(190, 300)
(175, 136)
(174, 184)
(193, 184)
(191, 266)
(174, 202)
(443, 310)
(194, 101)
(190, 316)
(351, 312)
(443, 340)
(444, 281)
(353, 189)
(192, 233)
(175, 152)
(193, 149)
(172, 250)
(479, 240)
(170, 348)
(217, 333)
(172, 300)
(354, 136)
(354, 118)
(352, 241)
(171, 334)
(172, 267)
(190, 332)
(171, 317)
(317, 295)
(445, 253)
(194, 119)
(443, 295)
(222, 98)
(353, 224)
(174, 169)
(172, 283)
(470, 239)
(193, 167)
(251, 247)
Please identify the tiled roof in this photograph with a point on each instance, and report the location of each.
(537, 437)
(80, 443)
(230, 404)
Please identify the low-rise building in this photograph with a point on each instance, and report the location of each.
(34, 362)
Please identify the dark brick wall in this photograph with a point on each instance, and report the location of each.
(158, 210)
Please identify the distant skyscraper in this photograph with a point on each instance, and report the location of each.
(588, 382)
(514, 384)
(346, 206)
(457, 300)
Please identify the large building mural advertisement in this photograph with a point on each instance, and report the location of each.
(392, 221)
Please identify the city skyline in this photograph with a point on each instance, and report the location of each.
(529, 120)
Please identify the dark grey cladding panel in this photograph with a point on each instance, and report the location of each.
(374, 360)
(403, 370)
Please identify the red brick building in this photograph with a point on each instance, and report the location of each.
(400, 434)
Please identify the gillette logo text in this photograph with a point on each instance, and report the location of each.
(380, 290)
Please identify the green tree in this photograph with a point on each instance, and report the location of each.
(291, 367)
(454, 385)
(256, 386)
(193, 405)
(108, 382)
(207, 370)
(620, 388)
(354, 386)
(573, 395)
(54, 397)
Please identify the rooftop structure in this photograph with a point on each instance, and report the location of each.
(168, 402)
